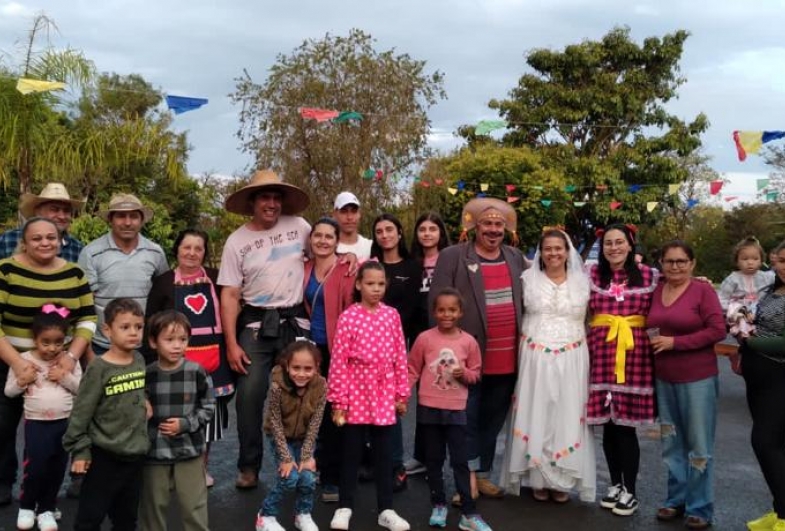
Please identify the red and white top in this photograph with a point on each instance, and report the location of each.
(368, 365)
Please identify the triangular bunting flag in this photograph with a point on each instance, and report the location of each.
(731, 198)
(772, 196)
(692, 202)
(27, 86)
(510, 188)
(634, 188)
(538, 187)
(320, 115)
(651, 205)
(484, 127)
(546, 202)
(181, 104)
(762, 183)
(578, 203)
(439, 182)
(348, 116)
(715, 187)
(481, 194)
(512, 199)
(425, 184)
(452, 191)
(484, 187)
(673, 189)
(369, 174)
(601, 187)
(460, 185)
(615, 205)
(570, 188)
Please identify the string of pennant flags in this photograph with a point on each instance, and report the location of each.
(746, 142)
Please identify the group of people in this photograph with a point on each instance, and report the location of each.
(321, 334)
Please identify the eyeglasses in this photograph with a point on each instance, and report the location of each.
(681, 262)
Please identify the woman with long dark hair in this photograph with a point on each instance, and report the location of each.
(621, 384)
(404, 277)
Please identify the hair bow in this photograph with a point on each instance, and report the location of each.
(53, 308)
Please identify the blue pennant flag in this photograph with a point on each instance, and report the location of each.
(181, 104)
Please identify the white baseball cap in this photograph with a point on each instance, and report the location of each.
(346, 198)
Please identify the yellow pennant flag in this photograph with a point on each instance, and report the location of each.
(483, 187)
(673, 189)
(452, 191)
(27, 86)
(651, 205)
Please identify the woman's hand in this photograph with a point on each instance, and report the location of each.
(400, 408)
(351, 259)
(26, 372)
(662, 343)
(308, 464)
(80, 466)
(56, 373)
(284, 469)
(339, 417)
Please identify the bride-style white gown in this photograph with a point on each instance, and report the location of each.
(550, 446)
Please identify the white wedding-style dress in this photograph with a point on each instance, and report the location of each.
(550, 446)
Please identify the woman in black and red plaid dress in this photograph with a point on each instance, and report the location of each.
(621, 390)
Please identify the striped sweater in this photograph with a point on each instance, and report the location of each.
(24, 290)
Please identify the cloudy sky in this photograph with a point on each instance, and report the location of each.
(732, 61)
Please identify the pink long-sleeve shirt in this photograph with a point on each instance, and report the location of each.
(368, 372)
(431, 361)
(44, 399)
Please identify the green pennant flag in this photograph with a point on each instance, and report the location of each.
(578, 203)
(538, 187)
(546, 202)
(772, 196)
(762, 183)
(369, 174)
(570, 188)
(484, 127)
(347, 116)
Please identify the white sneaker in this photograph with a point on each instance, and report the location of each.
(392, 521)
(46, 521)
(341, 519)
(268, 523)
(25, 519)
(304, 522)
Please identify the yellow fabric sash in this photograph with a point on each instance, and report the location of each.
(620, 329)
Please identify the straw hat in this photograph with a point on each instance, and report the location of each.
(51, 192)
(126, 203)
(294, 200)
(483, 207)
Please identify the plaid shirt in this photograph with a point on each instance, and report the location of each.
(185, 393)
(70, 247)
(631, 403)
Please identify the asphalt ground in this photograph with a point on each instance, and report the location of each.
(740, 492)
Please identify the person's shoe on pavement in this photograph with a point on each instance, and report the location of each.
(25, 519)
(304, 522)
(610, 499)
(486, 488)
(268, 523)
(390, 520)
(247, 479)
(46, 521)
(473, 522)
(627, 504)
(341, 519)
(330, 494)
(414, 467)
(438, 516)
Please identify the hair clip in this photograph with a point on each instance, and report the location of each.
(53, 308)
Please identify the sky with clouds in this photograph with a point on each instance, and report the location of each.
(732, 61)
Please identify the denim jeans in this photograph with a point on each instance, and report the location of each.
(489, 400)
(303, 482)
(251, 394)
(688, 421)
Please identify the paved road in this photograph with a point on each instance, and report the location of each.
(740, 491)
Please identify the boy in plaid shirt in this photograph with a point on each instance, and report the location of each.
(181, 403)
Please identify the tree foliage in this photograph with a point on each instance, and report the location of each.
(595, 114)
(392, 91)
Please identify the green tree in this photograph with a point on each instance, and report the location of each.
(595, 113)
(392, 92)
(30, 123)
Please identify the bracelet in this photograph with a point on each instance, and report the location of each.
(71, 355)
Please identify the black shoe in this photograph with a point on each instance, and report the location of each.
(5, 494)
(75, 487)
(400, 480)
(627, 504)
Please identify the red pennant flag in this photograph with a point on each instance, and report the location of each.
(510, 188)
(512, 199)
(615, 205)
(601, 187)
(731, 198)
(439, 182)
(320, 115)
(379, 175)
(425, 184)
(715, 187)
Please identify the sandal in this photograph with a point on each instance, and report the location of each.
(666, 514)
(541, 495)
(696, 522)
(560, 496)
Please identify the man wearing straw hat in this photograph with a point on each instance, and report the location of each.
(122, 262)
(262, 299)
(488, 273)
(54, 203)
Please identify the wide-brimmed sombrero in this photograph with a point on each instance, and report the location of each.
(52, 192)
(293, 201)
